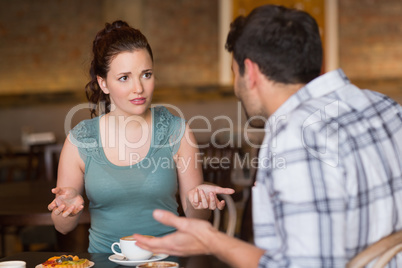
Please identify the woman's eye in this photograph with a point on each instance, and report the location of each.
(147, 75)
(123, 78)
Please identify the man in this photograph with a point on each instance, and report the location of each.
(340, 189)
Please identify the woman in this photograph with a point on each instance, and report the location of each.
(132, 159)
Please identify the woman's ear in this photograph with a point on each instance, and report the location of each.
(102, 84)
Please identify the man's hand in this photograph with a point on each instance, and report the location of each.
(198, 237)
(189, 239)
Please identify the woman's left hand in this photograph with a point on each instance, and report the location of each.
(204, 196)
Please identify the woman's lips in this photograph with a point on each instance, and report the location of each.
(138, 101)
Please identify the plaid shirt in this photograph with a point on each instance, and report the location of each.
(329, 181)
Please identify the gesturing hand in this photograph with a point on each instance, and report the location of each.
(204, 196)
(68, 201)
(187, 240)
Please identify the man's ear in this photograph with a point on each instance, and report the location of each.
(102, 84)
(251, 72)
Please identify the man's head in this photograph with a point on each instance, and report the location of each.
(284, 43)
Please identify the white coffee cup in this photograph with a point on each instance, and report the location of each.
(130, 250)
(13, 264)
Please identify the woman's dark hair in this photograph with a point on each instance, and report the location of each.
(113, 39)
(285, 43)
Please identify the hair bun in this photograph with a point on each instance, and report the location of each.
(108, 28)
(115, 25)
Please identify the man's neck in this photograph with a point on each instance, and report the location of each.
(274, 94)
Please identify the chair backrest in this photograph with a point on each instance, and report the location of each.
(218, 164)
(384, 250)
(224, 220)
(219, 215)
(217, 169)
(51, 158)
(13, 166)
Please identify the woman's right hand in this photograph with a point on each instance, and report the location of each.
(68, 202)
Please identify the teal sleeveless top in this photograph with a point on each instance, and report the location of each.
(122, 198)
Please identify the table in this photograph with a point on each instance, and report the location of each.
(25, 204)
(101, 259)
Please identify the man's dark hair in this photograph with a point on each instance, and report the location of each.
(285, 43)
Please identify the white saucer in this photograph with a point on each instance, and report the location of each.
(89, 265)
(122, 261)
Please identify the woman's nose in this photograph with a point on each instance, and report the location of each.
(138, 88)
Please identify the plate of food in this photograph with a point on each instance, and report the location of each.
(66, 261)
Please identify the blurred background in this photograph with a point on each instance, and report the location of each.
(45, 50)
(45, 53)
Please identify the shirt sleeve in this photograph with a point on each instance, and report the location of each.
(299, 199)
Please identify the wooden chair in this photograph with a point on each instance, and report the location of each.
(12, 165)
(51, 158)
(246, 228)
(224, 220)
(38, 229)
(219, 216)
(218, 164)
(384, 250)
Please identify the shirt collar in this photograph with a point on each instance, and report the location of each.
(316, 88)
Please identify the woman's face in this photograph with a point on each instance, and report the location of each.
(129, 83)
